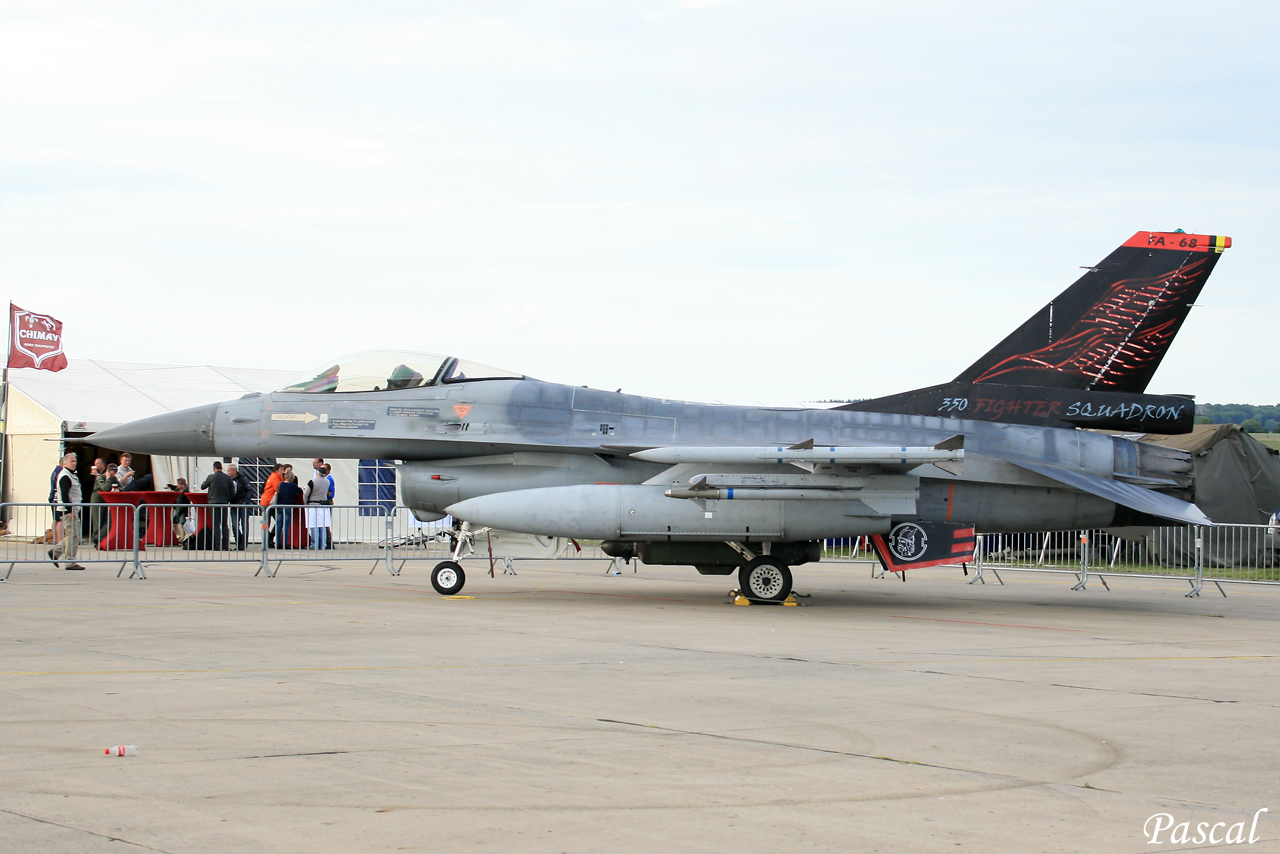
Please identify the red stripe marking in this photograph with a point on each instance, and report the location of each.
(1179, 242)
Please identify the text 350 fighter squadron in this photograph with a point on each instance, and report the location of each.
(756, 490)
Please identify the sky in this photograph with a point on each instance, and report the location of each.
(745, 202)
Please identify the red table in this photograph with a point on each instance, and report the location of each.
(120, 534)
(296, 513)
(298, 536)
(159, 517)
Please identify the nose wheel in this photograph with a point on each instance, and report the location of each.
(447, 578)
(765, 578)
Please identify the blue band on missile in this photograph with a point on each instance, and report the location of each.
(731, 495)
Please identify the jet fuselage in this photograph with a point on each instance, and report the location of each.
(463, 441)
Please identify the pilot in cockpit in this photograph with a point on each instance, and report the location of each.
(403, 376)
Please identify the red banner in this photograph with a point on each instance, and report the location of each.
(36, 341)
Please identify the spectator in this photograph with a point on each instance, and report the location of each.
(241, 494)
(268, 498)
(288, 496)
(324, 470)
(104, 481)
(319, 496)
(124, 471)
(88, 524)
(66, 510)
(53, 501)
(181, 511)
(220, 489)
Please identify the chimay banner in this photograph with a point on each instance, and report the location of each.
(36, 341)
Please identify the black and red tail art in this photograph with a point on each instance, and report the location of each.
(1085, 359)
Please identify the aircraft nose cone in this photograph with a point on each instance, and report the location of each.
(186, 433)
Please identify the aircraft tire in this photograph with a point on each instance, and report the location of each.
(765, 578)
(447, 578)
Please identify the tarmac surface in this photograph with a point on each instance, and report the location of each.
(564, 710)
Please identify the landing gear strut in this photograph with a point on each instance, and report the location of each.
(447, 578)
(765, 577)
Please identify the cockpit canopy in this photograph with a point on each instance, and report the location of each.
(388, 370)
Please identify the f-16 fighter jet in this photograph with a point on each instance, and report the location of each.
(757, 490)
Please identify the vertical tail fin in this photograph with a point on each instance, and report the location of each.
(1109, 330)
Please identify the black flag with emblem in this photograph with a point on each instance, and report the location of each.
(914, 544)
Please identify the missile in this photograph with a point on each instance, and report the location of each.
(738, 494)
(804, 456)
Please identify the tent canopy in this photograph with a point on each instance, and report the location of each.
(90, 394)
(48, 407)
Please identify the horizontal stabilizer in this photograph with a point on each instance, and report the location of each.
(1125, 494)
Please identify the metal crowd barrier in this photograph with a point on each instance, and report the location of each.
(386, 537)
(1248, 554)
(376, 535)
(848, 549)
(389, 537)
(31, 535)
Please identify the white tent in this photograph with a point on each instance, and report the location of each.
(47, 408)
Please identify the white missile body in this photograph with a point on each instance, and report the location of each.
(813, 456)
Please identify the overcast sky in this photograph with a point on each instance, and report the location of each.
(734, 201)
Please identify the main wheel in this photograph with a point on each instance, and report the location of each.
(447, 578)
(765, 578)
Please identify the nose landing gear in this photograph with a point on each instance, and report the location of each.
(447, 578)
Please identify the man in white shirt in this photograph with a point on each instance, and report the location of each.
(124, 472)
(67, 498)
(319, 516)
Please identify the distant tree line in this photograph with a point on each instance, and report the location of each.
(1252, 419)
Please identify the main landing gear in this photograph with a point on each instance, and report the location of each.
(765, 578)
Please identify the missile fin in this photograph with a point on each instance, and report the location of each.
(955, 468)
(955, 443)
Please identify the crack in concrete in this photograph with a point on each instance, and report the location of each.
(105, 836)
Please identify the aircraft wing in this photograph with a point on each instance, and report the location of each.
(1126, 494)
(947, 455)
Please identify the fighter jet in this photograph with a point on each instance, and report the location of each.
(756, 490)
